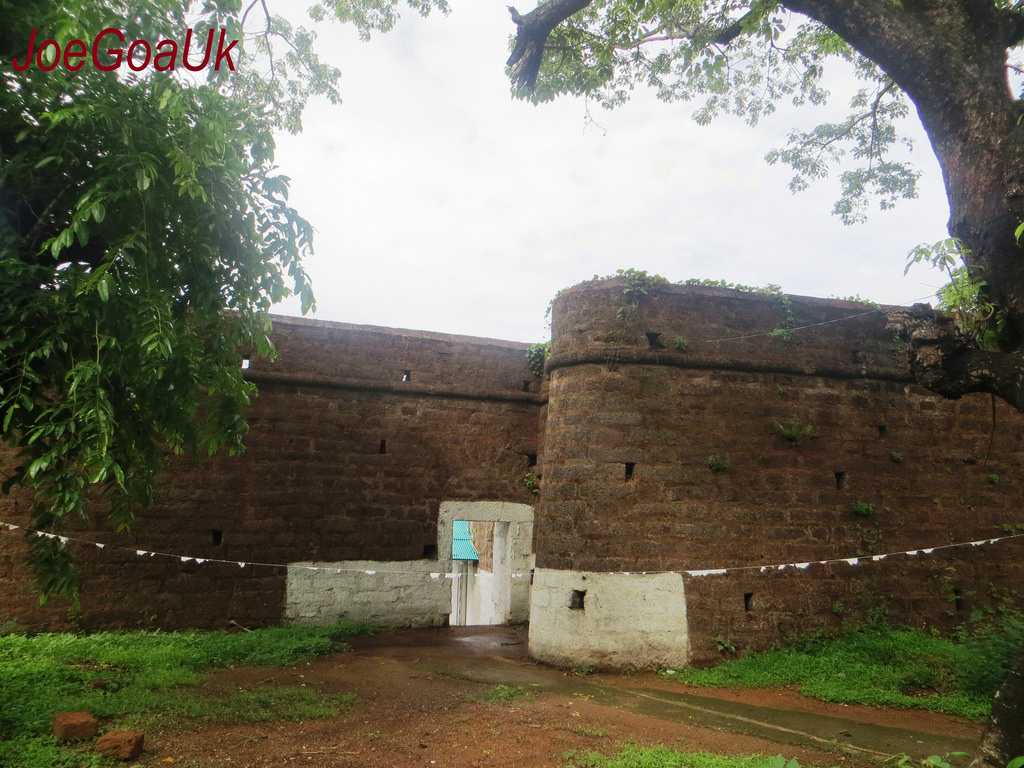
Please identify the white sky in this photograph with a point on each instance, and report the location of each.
(441, 204)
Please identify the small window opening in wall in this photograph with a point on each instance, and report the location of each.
(654, 340)
(406, 375)
(840, 479)
(245, 363)
(630, 470)
(883, 430)
(430, 551)
(383, 446)
(531, 459)
(958, 599)
(577, 600)
(526, 385)
(748, 601)
(216, 537)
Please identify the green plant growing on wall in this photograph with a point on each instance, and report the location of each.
(858, 299)
(794, 431)
(637, 284)
(719, 464)
(993, 478)
(770, 291)
(862, 509)
(532, 483)
(536, 356)
(725, 646)
(679, 344)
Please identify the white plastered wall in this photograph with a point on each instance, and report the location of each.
(402, 593)
(628, 621)
(410, 598)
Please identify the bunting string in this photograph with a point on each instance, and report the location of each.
(853, 560)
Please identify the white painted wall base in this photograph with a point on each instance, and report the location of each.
(627, 622)
(411, 599)
(383, 599)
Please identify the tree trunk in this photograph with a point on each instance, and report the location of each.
(1004, 737)
(949, 57)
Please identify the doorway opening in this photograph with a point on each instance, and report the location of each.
(491, 550)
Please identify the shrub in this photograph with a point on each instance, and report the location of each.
(862, 509)
(718, 464)
(794, 431)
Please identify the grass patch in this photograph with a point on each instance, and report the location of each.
(633, 756)
(140, 677)
(505, 694)
(882, 666)
(590, 732)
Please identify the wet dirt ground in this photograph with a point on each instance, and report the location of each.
(422, 702)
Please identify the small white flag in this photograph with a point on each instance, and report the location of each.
(200, 561)
(435, 575)
(853, 560)
(929, 550)
(185, 559)
(876, 558)
(370, 573)
(911, 552)
(241, 564)
(63, 539)
(993, 541)
(977, 543)
(140, 552)
(803, 566)
(707, 572)
(100, 546)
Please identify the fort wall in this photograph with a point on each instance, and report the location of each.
(665, 455)
(678, 428)
(344, 461)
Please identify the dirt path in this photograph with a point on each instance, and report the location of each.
(422, 703)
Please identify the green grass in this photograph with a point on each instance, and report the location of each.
(881, 666)
(505, 694)
(148, 678)
(633, 756)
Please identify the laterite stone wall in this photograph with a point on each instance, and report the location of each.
(622, 394)
(345, 461)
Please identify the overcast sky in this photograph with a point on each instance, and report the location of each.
(441, 204)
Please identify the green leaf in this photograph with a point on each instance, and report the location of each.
(103, 288)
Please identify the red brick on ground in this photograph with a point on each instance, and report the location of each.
(72, 726)
(123, 745)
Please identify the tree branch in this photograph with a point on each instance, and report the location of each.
(947, 363)
(534, 28)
